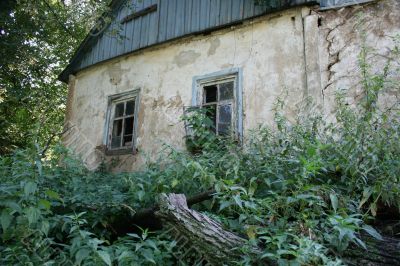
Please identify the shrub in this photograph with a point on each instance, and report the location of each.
(303, 191)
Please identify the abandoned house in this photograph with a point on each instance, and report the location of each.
(131, 78)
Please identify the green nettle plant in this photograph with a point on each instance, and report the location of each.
(200, 130)
(305, 192)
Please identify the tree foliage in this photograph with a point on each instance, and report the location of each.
(37, 38)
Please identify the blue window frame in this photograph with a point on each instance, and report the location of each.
(121, 123)
(221, 92)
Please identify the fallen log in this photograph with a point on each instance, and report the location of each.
(219, 246)
(378, 253)
(148, 213)
(146, 218)
(206, 236)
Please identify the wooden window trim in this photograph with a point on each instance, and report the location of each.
(219, 102)
(221, 76)
(113, 100)
(125, 151)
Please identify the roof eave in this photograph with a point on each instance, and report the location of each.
(64, 75)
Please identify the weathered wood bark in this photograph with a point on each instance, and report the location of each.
(206, 236)
(378, 253)
(148, 213)
(146, 218)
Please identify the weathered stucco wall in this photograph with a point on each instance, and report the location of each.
(301, 52)
(343, 33)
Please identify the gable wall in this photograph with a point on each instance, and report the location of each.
(289, 52)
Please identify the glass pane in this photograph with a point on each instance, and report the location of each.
(210, 94)
(115, 142)
(130, 108)
(128, 141)
(225, 113)
(212, 115)
(224, 129)
(117, 128)
(128, 126)
(119, 110)
(226, 91)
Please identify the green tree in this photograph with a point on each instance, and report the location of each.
(36, 40)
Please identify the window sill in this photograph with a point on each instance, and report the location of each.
(128, 151)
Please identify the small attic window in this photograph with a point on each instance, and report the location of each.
(121, 123)
(329, 4)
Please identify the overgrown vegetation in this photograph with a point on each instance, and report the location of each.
(304, 192)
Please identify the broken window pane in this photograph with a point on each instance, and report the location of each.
(219, 99)
(117, 128)
(116, 142)
(127, 141)
(128, 126)
(121, 126)
(226, 91)
(225, 113)
(210, 94)
(130, 107)
(119, 109)
(224, 128)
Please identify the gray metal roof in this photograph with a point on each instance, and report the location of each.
(137, 24)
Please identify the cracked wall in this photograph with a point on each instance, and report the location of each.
(342, 33)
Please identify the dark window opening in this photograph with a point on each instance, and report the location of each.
(130, 107)
(210, 94)
(119, 110)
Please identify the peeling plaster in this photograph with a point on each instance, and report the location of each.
(115, 73)
(173, 102)
(214, 45)
(186, 57)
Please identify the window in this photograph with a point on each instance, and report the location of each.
(218, 98)
(220, 93)
(121, 124)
